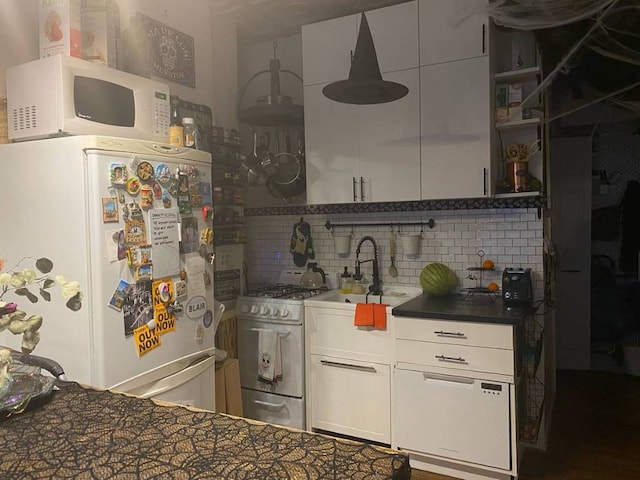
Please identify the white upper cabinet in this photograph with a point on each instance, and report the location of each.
(452, 30)
(327, 48)
(390, 144)
(395, 35)
(332, 148)
(455, 127)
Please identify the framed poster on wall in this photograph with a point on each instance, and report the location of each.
(170, 53)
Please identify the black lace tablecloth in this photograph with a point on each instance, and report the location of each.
(89, 434)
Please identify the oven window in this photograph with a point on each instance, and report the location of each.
(104, 102)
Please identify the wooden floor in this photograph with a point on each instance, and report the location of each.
(595, 432)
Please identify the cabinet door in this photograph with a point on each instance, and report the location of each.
(452, 30)
(455, 128)
(394, 31)
(326, 50)
(390, 144)
(331, 137)
(351, 398)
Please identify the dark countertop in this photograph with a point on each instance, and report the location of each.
(476, 308)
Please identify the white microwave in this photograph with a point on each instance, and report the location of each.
(63, 95)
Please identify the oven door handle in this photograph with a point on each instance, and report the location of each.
(350, 366)
(279, 332)
(274, 406)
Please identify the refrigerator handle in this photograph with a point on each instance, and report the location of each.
(183, 376)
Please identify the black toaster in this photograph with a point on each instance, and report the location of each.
(517, 286)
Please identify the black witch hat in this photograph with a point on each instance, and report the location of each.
(365, 85)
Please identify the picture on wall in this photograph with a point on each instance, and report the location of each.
(170, 52)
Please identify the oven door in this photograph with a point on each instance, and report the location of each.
(291, 347)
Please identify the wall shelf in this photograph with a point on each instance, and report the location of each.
(520, 75)
(518, 123)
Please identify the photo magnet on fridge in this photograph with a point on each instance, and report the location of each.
(138, 307)
(109, 210)
(119, 295)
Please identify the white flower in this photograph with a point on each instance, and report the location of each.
(69, 289)
(17, 280)
(5, 278)
(28, 275)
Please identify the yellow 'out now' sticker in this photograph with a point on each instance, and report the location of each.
(163, 294)
(146, 339)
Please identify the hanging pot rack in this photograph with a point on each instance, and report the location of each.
(330, 226)
(274, 110)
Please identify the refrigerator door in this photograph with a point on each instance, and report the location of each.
(115, 354)
(185, 381)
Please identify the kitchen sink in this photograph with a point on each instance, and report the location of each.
(392, 297)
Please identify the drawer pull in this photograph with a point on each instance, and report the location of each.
(350, 366)
(444, 358)
(274, 406)
(442, 333)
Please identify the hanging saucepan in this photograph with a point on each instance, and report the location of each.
(266, 158)
(290, 179)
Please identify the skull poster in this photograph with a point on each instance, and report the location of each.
(171, 52)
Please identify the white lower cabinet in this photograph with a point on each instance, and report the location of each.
(350, 397)
(454, 417)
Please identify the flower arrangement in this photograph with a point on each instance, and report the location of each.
(23, 282)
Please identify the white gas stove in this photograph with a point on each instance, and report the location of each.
(278, 308)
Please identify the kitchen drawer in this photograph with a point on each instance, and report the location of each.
(351, 398)
(456, 333)
(458, 357)
(330, 331)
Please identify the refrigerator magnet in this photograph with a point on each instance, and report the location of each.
(133, 186)
(166, 199)
(163, 174)
(145, 171)
(146, 197)
(146, 339)
(135, 233)
(207, 319)
(144, 273)
(119, 295)
(118, 173)
(157, 191)
(109, 210)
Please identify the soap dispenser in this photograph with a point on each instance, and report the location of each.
(346, 281)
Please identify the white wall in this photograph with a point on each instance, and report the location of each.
(214, 38)
(18, 35)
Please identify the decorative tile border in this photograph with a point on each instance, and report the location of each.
(423, 205)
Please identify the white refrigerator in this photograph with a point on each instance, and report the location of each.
(128, 224)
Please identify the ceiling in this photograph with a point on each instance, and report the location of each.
(262, 20)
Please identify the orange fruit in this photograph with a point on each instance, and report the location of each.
(493, 287)
(488, 265)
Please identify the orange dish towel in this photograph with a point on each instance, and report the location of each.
(380, 316)
(364, 315)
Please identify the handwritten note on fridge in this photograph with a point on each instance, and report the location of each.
(165, 244)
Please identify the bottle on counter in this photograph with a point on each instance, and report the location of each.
(346, 281)
(190, 132)
(176, 131)
(359, 284)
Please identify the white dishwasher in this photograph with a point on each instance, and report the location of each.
(453, 416)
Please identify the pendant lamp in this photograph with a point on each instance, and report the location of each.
(365, 85)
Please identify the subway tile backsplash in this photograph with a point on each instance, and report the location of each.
(510, 237)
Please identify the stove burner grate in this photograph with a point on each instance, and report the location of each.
(287, 291)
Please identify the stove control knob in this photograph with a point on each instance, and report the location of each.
(244, 308)
(285, 312)
(254, 309)
(276, 312)
(264, 310)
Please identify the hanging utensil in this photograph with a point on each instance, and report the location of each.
(393, 271)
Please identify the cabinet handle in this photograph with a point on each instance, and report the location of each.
(362, 189)
(350, 366)
(485, 175)
(444, 358)
(355, 198)
(484, 36)
(442, 333)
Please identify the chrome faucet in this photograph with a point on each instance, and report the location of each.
(374, 288)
